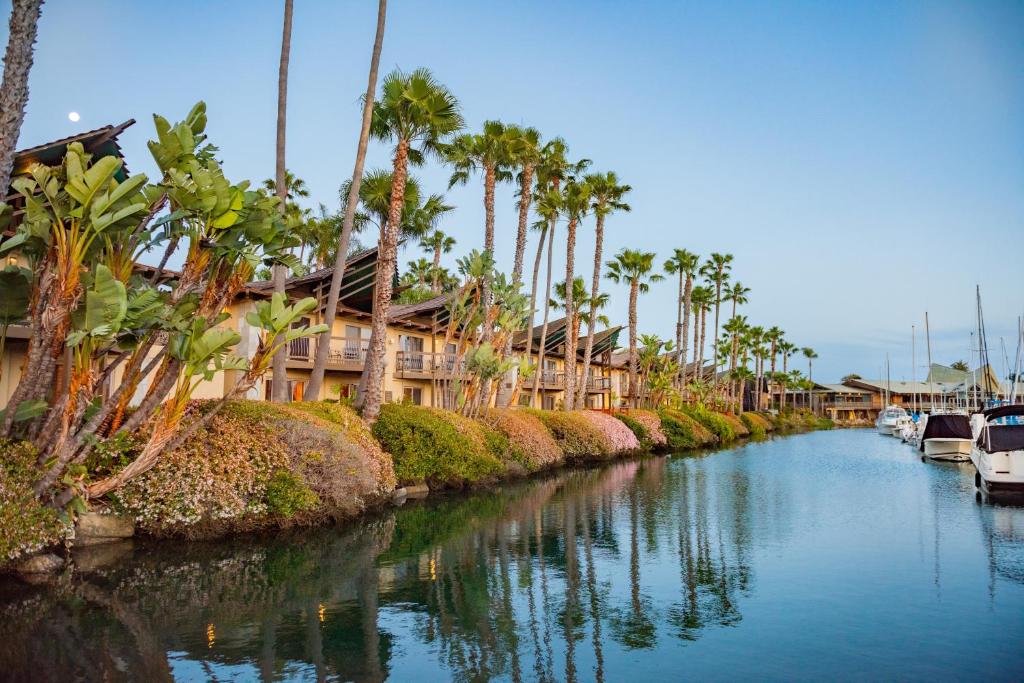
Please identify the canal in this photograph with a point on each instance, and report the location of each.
(828, 555)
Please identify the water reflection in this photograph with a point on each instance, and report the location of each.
(566, 578)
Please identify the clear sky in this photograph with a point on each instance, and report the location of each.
(864, 162)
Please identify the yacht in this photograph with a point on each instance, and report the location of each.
(888, 420)
(947, 436)
(998, 450)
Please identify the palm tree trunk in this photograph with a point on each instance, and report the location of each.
(718, 306)
(703, 338)
(592, 323)
(435, 285)
(634, 289)
(279, 373)
(489, 181)
(687, 305)
(14, 90)
(387, 262)
(533, 304)
(323, 342)
(679, 332)
(570, 317)
(547, 307)
(526, 182)
(698, 363)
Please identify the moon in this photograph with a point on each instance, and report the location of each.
(73, 117)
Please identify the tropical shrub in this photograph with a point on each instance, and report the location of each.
(638, 430)
(652, 424)
(287, 494)
(768, 419)
(712, 421)
(427, 445)
(578, 438)
(755, 424)
(529, 440)
(618, 437)
(738, 427)
(25, 524)
(683, 432)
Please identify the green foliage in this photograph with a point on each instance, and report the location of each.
(576, 436)
(716, 423)
(435, 446)
(529, 441)
(25, 525)
(16, 284)
(754, 424)
(287, 494)
(683, 432)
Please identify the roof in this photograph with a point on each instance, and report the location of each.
(842, 388)
(555, 337)
(943, 373)
(101, 142)
(356, 288)
(604, 341)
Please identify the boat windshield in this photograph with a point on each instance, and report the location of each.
(999, 438)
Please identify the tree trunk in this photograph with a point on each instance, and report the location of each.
(718, 306)
(592, 323)
(280, 374)
(14, 90)
(687, 305)
(547, 307)
(435, 285)
(698, 364)
(703, 338)
(570, 317)
(679, 333)
(526, 183)
(533, 304)
(323, 342)
(489, 180)
(387, 261)
(634, 289)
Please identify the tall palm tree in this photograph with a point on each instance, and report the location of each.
(14, 89)
(774, 336)
(437, 242)
(606, 197)
(715, 269)
(525, 154)
(786, 349)
(735, 329)
(549, 206)
(702, 299)
(279, 373)
(635, 268)
(737, 294)
(418, 114)
(323, 344)
(810, 355)
(419, 271)
(683, 263)
(295, 189)
(575, 204)
(586, 309)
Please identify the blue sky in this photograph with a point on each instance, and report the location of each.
(864, 162)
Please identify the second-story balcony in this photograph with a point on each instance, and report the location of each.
(344, 354)
(426, 365)
(595, 384)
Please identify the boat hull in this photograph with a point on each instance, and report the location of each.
(948, 449)
(999, 472)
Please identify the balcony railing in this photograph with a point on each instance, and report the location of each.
(594, 384)
(421, 364)
(344, 354)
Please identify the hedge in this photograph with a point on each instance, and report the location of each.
(529, 440)
(683, 432)
(716, 423)
(577, 436)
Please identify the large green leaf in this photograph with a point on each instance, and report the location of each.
(106, 303)
(16, 285)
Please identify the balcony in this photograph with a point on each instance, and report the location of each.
(595, 385)
(344, 354)
(426, 365)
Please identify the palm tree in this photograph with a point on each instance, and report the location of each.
(295, 189)
(437, 242)
(737, 294)
(420, 270)
(684, 263)
(587, 307)
(787, 349)
(525, 155)
(323, 343)
(774, 336)
(810, 355)
(14, 89)
(702, 299)
(279, 373)
(575, 204)
(606, 197)
(735, 328)
(635, 268)
(419, 114)
(715, 270)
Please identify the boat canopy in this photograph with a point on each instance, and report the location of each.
(946, 427)
(1003, 411)
(999, 438)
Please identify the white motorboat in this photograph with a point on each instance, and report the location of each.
(947, 436)
(888, 420)
(998, 450)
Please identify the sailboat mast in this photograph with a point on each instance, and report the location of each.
(888, 380)
(913, 362)
(928, 341)
(1016, 364)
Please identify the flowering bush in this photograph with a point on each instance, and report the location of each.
(755, 424)
(652, 425)
(439, 447)
(738, 427)
(25, 525)
(638, 430)
(684, 432)
(528, 438)
(714, 422)
(577, 436)
(619, 437)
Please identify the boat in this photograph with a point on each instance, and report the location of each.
(888, 420)
(998, 449)
(947, 436)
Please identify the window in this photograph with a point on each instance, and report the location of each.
(525, 399)
(348, 390)
(299, 348)
(548, 402)
(412, 350)
(355, 342)
(413, 395)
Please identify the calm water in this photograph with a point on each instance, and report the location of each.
(832, 555)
